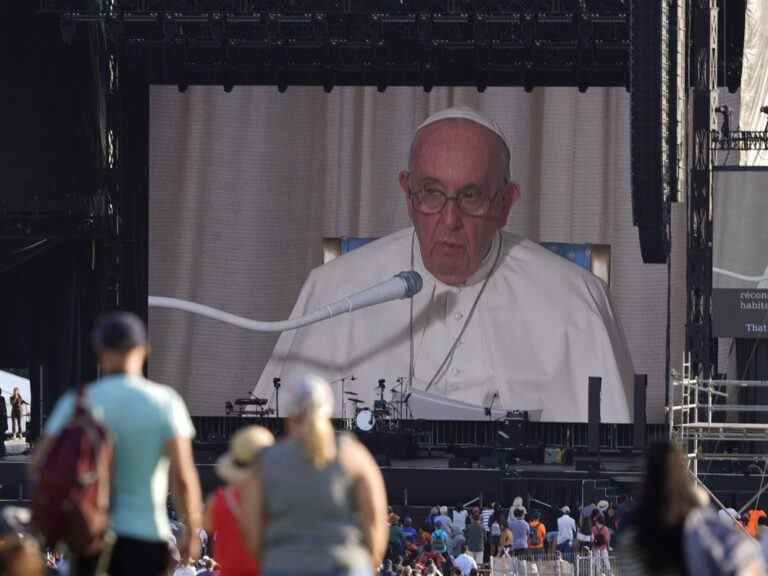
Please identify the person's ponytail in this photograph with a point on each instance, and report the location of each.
(318, 439)
(311, 407)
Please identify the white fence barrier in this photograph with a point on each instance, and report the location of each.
(554, 564)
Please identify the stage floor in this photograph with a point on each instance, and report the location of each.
(16, 447)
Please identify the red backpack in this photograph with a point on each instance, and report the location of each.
(70, 497)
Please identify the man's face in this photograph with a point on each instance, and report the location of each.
(457, 156)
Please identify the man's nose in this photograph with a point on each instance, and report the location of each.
(451, 214)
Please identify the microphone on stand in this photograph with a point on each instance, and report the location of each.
(489, 408)
(403, 285)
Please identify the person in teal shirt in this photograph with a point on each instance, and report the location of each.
(151, 429)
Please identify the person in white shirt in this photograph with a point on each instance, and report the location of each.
(566, 532)
(465, 562)
(517, 503)
(459, 519)
(498, 315)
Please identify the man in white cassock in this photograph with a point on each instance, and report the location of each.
(499, 317)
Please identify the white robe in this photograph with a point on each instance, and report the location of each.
(540, 329)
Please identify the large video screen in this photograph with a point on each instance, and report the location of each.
(740, 253)
(245, 189)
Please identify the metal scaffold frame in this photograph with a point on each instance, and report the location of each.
(707, 426)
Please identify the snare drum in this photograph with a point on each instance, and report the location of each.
(365, 420)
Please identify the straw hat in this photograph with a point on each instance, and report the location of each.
(603, 505)
(233, 466)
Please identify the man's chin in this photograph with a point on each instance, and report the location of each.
(449, 274)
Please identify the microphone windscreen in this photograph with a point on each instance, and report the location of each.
(413, 282)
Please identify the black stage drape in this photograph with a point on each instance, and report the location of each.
(52, 173)
(50, 145)
(46, 304)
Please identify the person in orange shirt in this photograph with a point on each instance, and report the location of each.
(424, 537)
(753, 516)
(537, 536)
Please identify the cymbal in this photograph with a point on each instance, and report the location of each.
(355, 400)
(350, 393)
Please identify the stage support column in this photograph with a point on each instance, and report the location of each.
(640, 436)
(593, 407)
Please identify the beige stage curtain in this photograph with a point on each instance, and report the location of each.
(243, 186)
(754, 77)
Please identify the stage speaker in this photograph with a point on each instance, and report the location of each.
(640, 436)
(653, 121)
(593, 407)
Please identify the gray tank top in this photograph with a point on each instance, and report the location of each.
(311, 521)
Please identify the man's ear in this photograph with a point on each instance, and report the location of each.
(508, 196)
(404, 178)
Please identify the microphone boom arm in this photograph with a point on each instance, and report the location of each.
(403, 285)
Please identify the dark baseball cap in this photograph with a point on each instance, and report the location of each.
(119, 331)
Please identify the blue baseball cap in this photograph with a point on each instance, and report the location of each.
(120, 331)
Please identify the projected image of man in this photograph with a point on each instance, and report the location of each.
(498, 314)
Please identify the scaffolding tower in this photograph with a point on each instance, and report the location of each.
(708, 426)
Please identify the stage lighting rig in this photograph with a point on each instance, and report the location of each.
(727, 139)
(381, 43)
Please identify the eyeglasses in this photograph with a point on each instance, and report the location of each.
(431, 200)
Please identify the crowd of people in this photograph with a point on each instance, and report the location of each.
(463, 540)
(456, 542)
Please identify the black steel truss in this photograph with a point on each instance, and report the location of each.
(700, 343)
(529, 43)
(382, 43)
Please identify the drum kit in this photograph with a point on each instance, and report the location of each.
(384, 415)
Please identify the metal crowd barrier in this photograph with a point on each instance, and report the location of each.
(553, 564)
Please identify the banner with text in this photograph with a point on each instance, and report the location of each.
(740, 253)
